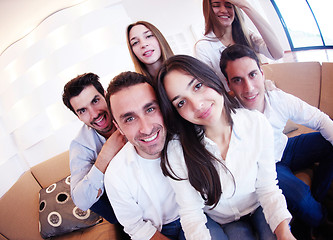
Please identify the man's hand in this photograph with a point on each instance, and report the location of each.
(110, 148)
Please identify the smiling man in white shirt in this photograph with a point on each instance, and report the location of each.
(245, 78)
(142, 198)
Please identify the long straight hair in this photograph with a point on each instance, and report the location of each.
(166, 50)
(239, 30)
(201, 164)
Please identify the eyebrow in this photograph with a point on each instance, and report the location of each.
(137, 37)
(187, 87)
(80, 109)
(128, 114)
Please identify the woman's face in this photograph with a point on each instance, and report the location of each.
(224, 11)
(194, 101)
(144, 44)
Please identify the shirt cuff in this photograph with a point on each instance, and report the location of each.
(98, 178)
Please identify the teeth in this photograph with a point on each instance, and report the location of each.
(150, 139)
(98, 121)
(251, 97)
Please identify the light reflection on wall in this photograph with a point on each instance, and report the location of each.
(34, 123)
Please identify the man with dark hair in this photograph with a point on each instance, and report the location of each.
(94, 146)
(141, 196)
(245, 78)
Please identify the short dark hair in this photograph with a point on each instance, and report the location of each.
(235, 52)
(124, 80)
(75, 86)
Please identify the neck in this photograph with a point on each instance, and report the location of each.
(153, 68)
(109, 133)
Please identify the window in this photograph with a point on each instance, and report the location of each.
(307, 23)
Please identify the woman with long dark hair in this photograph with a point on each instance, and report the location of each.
(219, 158)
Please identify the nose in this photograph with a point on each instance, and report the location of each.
(145, 127)
(196, 103)
(144, 44)
(222, 8)
(248, 85)
(93, 113)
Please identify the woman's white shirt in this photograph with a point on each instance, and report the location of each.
(250, 159)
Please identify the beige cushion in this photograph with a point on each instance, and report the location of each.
(301, 79)
(52, 170)
(19, 210)
(326, 98)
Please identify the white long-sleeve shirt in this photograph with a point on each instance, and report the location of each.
(250, 159)
(141, 196)
(281, 106)
(86, 179)
(209, 50)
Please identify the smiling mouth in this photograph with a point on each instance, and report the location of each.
(148, 53)
(151, 138)
(251, 97)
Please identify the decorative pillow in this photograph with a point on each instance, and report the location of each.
(57, 212)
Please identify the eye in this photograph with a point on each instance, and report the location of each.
(81, 111)
(133, 43)
(181, 103)
(129, 119)
(228, 5)
(236, 80)
(95, 100)
(197, 86)
(151, 109)
(150, 35)
(253, 74)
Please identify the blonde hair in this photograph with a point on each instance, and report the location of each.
(166, 50)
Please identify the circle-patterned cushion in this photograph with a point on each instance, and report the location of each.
(57, 212)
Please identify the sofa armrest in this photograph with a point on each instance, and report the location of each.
(52, 170)
(19, 209)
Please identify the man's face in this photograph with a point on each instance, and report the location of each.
(138, 117)
(91, 108)
(246, 80)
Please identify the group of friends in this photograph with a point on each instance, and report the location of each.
(193, 147)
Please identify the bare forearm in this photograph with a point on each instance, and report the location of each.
(282, 231)
(265, 31)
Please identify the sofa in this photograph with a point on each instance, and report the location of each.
(19, 207)
(313, 83)
(19, 213)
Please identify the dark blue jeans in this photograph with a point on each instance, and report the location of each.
(300, 153)
(103, 208)
(173, 230)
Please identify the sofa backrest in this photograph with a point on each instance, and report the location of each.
(302, 79)
(52, 170)
(326, 97)
(19, 210)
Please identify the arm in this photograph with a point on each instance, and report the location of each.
(263, 27)
(269, 195)
(87, 181)
(190, 203)
(282, 231)
(300, 112)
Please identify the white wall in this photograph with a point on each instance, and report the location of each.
(89, 36)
